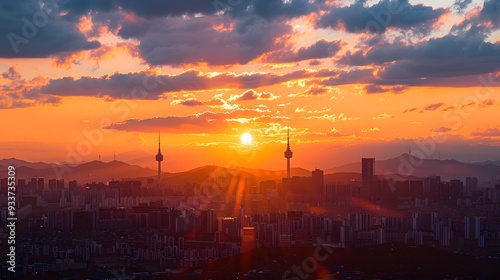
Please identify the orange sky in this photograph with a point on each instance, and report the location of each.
(307, 71)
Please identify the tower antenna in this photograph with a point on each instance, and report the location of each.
(288, 153)
(159, 159)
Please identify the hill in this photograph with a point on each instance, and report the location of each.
(409, 165)
(94, 171)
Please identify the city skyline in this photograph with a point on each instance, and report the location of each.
(249, 139)
(350, 80)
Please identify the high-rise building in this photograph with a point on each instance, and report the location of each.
(208, 221)
(159, 159)
(471, 184)
(37, 183)
(367, 168)
(472, 227)
(288, 154)
(317, 181)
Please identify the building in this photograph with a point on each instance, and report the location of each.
(471, 184)
(248, 239)
(367, 169)
(317, 181)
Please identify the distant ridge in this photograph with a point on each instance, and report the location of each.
(403, 167)
(409, 165)
(94, 171)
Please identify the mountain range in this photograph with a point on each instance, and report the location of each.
(410, 165)
(402, 167)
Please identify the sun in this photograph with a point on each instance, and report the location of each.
(246, 139)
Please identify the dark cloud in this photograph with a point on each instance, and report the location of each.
(21, 93)
(314, 62)
(155, 8)
(77, 8)
(267, 9)
(177, 41)
(379, 54)
(444, 61)
(384, 89)
(461, 5)
(491, 12)
(320, 49)
(313, 91)
(147, 85)
(206, 122)
(410, 110)
(363, 76)
(480, 25)
(192, 102)
(386, 14)
(433, 107)
(273, 9)
(474, 103)
(11, 74)
(31, 29)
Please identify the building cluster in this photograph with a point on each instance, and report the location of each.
(133, 222)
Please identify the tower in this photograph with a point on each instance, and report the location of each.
(288, 154)
(159, 159)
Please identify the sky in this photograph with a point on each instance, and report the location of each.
(83, 79)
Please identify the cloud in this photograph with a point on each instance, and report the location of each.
(442, 129)
(267, 9)
(11, 74)
(253, 95)
(446, 57)
(314, 62)
(410, 110)
(151, 85)
(491, 12)
(21, 93)
(446, 61)
(433, 107)
(369, 89)
(215, 102)
(350, 77)
(489, 132)
(320, 49)
(481, 21)
(205, 122)
(461, 5)
(191, 102)
(314, 135)
(386, 14)
(383, 116)
(312, 91)
(175, 41)
(32, 30)
(372, 129)
(476, 103)
(154, 8)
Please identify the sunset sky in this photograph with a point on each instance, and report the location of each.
(351, 79)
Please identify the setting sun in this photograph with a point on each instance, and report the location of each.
(246, 139)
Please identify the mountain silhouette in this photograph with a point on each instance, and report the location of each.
(410, 165)
(403, 167)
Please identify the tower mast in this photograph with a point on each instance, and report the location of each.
(288, 153)
(159, 159)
